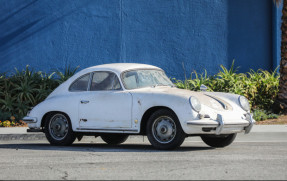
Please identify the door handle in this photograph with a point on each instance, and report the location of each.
(84, 102)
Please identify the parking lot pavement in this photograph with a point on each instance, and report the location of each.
(258, 155)
(242, 160)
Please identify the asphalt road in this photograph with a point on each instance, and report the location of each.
(136, 159)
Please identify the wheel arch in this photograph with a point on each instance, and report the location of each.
(147, 115)
(46, 115)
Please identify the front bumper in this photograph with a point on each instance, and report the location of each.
(220, 126)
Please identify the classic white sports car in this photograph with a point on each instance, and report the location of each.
(117, 100)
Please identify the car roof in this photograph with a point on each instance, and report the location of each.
(121, 67)
(117, 68)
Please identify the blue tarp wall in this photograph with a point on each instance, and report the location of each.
(199, 34)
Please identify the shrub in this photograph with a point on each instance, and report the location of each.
(260, 87)
(259, 115)
(24, 89)
(4, 115)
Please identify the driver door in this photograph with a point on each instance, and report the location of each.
(105, 105)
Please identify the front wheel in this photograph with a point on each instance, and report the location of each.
(164, 130)
(218, 141)
(114, 139)
(58, 130)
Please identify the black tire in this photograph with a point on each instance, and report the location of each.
(114, 139)
(164, 131)
(62, 137)
(218, 141)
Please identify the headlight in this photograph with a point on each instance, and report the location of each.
(244, 103)
(195, 104)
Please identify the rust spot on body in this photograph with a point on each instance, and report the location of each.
(139, 102)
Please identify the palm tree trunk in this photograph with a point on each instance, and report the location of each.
(282, 94)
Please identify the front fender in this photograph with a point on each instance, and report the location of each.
(180, 106)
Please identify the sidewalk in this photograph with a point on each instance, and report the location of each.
(269, 128)
(20, 133)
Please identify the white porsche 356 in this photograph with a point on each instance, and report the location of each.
(117, 100)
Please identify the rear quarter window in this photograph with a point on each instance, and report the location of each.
(81, 84)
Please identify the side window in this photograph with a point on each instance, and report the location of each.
(80, 84)
(130, 79)
(105, 81)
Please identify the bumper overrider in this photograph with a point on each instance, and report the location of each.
(220, 126)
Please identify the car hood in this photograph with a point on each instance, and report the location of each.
(216, 100)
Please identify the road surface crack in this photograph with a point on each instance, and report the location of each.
(65, 177)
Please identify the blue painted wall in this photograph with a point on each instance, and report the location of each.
(199, 34)
(250, 33)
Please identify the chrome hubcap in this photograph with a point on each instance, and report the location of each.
(58, 127)
(164, 129)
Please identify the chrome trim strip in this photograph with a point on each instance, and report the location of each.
(201, 125)
(107, 129)
(218, 100)
(216, 124)
(28, 119)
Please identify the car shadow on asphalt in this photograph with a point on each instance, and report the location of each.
(99, 147)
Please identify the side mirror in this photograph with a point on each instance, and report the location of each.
(203, 88)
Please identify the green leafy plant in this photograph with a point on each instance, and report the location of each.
(194, 84)
(26, 88)
(4, 115)
(69, 72)
(260, 87)
(259, 115)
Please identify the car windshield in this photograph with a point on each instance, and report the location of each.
(145, 78)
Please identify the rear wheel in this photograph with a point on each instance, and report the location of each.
(114, 139)
(164, 130)
(218, 141)
(58, 130)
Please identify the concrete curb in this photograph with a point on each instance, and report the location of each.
(19, 133)
(9, 137)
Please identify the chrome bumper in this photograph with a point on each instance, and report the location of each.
(219, 124)
(28, 119)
